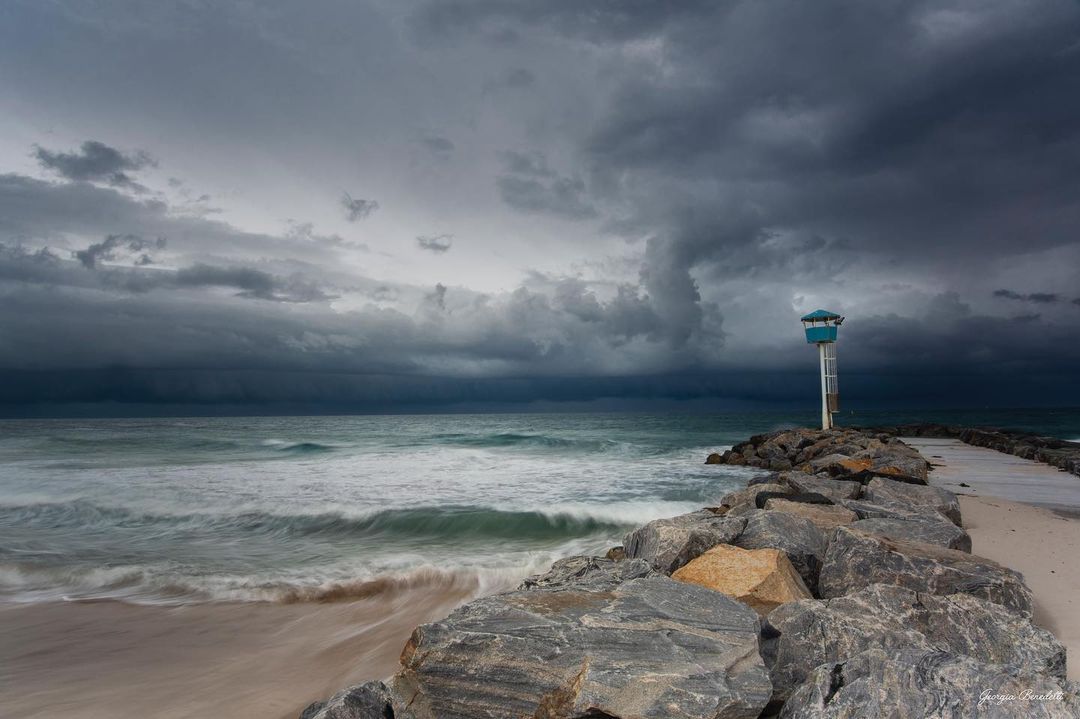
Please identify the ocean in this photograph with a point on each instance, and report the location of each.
(243, 567)
(295, 509)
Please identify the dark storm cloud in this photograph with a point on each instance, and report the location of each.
(737, 162)
(252, 283)
(1043, 298)
(96, 162)
(435, 243)
(357, 209)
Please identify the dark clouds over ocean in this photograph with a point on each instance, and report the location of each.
(389, 205)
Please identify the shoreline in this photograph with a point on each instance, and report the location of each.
(855, 537)
(243, 660)
(271, 660)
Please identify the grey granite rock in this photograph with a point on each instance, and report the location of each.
(650, 648)
(668, 544)
(748, 494)
(811, 632)
(366, 701)
(928, 685)
(918, 529)
(834, 489)
(802, 540)
(589, 573)
(856, 559)
(886, 490)
(888, 509)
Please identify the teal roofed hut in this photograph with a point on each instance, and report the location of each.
(821, 326)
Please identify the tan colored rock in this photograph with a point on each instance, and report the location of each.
(763, 579)
(825, 516)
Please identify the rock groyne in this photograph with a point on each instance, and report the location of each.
(1056, 452)
(838, 585)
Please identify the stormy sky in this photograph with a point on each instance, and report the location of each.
(356, 205)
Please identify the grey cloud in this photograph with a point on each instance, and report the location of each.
(435, 243)
(516, 79)
(116, 246)
(441, 147)
(357, 209)
(561, 197)
(529, 185)
(96, 162)
(252, 283)
(530, 164)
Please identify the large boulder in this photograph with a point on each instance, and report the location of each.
(837, 465)
(798, 537)
(649, 648)
(857, 559)
(591, 573)
(890, 510)
(826, 517)
(366, 701)
(877, 684)
(917, 529)
(762, 579)
(668, 544)
(893, 619)
(886, 491)
(747, 496)
(834, 489)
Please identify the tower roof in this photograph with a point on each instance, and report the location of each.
(819, 315)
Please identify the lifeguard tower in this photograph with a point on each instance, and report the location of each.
(821, 327)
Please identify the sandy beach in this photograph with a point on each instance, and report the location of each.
(102, 660)
(1043, 545)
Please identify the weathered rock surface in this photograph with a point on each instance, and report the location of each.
(886, 491)
(826, 517)
(890, 510)
(668, 544)
(927, 685)
(838, 465)
(762, 579)
(894, 619)
(589, 573)
(917, 529)
(366, 701)
(747, 497)
(800, 497)
(834, 489)
(802, 540)
(856, 559)
(651, 647)
(833, 452)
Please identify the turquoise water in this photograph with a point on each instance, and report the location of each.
(307, 508)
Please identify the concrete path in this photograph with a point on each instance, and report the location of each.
(988, 472)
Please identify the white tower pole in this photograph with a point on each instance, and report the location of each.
(826, 416)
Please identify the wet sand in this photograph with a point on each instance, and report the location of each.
(106, 660)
